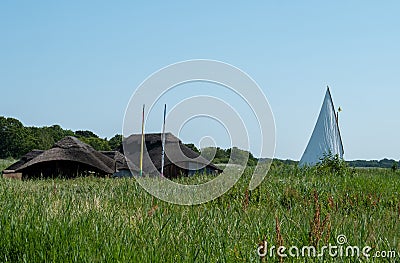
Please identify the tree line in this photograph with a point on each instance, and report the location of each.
(384, 163)
(222, 156)
(17, 139)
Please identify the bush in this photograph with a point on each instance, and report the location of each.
(395, 166)
(332, 164)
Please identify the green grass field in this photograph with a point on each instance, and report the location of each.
(115, 220)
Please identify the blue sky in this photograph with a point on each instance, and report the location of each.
(76, 63)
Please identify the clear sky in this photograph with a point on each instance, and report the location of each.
(77, 63)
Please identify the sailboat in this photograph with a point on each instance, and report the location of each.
(325, 138)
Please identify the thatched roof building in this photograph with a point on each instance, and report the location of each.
(179, 159)
(68, 157)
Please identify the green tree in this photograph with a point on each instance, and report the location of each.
(39, 138)
(12, 138)
(332, 164)
(86, 134)
(115, 142)
(57, 133)
(236, 155)
(97, 143)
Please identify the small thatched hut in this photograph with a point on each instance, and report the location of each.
(67, 158)
(179, 159)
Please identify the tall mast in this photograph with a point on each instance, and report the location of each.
(141, 144)
(163, 142)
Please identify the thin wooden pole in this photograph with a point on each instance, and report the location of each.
(163, 142)
(141, 144)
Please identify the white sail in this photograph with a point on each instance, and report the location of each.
(326, 135)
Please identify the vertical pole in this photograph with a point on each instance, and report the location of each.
(141, 144)
(163, 142)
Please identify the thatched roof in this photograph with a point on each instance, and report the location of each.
(73, 150)
(150, 138)
(175, 150)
